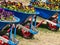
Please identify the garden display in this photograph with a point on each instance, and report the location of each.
(17, 6)
(6, 16)
(50, 5)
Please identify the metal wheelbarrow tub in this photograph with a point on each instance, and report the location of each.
(4, 23)
(21, 15)
(46, 14)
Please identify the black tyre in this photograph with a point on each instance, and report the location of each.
(51, 26)
(26, 34)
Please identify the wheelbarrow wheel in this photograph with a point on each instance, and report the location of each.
(26, 34)
(51, 26)
(1, 42)
(6, 37)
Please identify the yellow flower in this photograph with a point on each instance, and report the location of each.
(41, 3)
(45, 5)
(27, 7)
(33, 10)
(14, 6)
(57, 7)
(19, 4)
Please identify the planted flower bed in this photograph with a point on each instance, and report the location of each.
(51, 5)
(6, 16)
(17, 6)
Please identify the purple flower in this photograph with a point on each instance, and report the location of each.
(1, 10)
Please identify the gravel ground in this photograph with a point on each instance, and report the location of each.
(42, 38)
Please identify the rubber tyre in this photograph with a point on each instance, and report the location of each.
(26, 34)
(52, 27)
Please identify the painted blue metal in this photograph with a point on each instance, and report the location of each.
(10, 32)
(15, 31)
(12, 36)
(33, 32)
(33, 23)
(59, 17)
(21, 15)
(11, 43)
(58, 24)
(46, 14)
(3, 23)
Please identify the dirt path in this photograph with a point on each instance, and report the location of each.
(42, 39)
